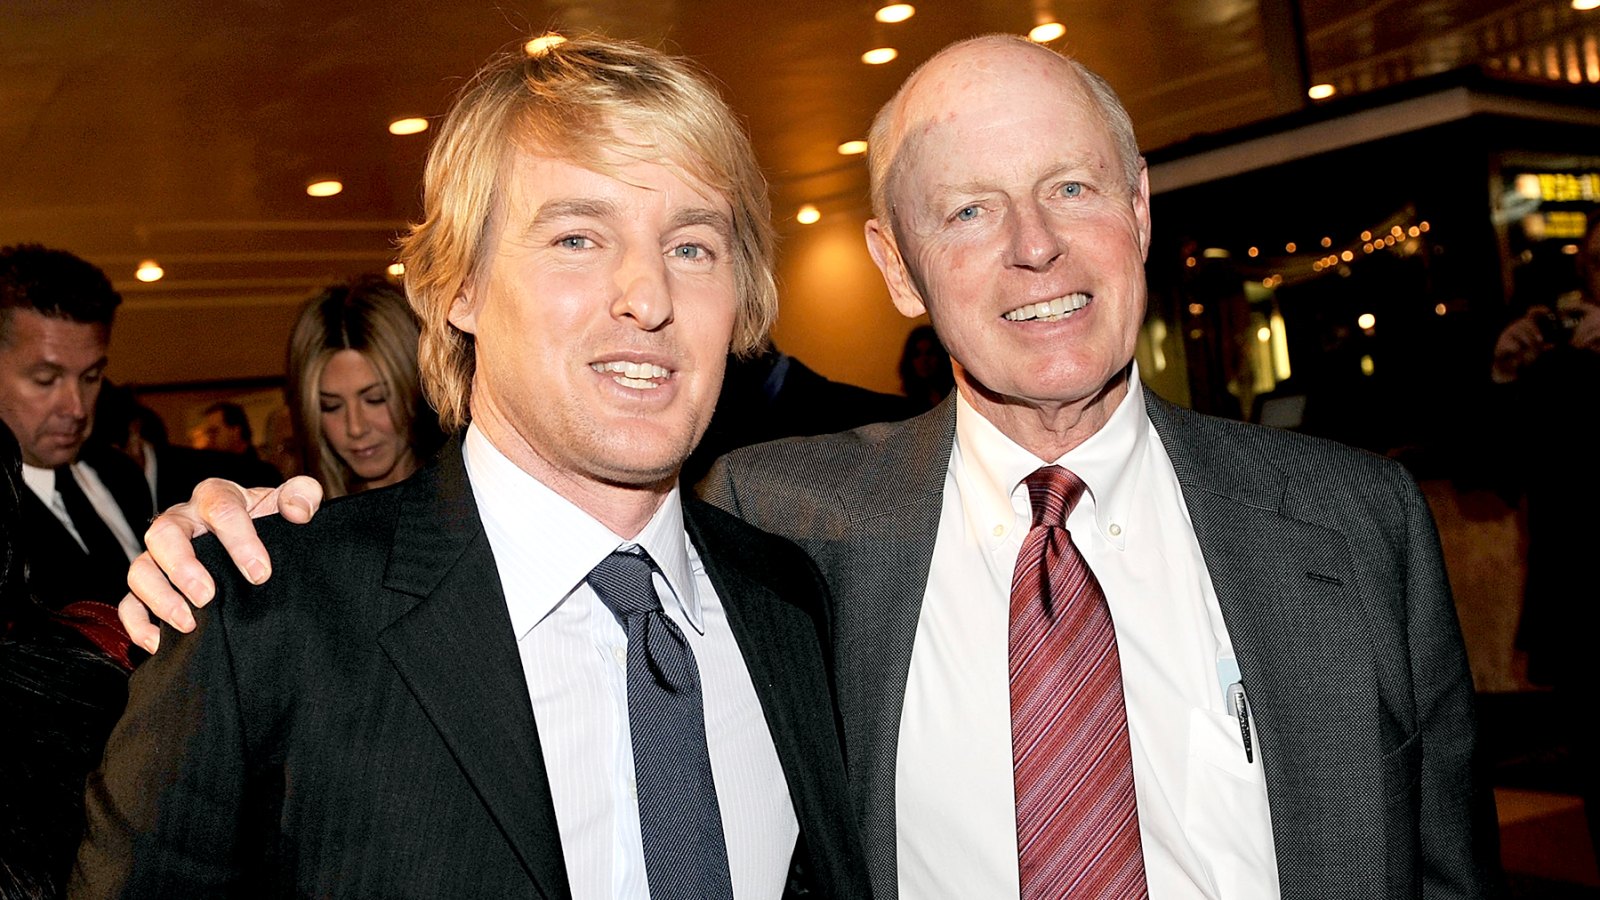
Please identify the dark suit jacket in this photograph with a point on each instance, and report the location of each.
(59, 571)
(1328, 571)
(359, 726)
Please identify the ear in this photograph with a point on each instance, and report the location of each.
(464, 308)
(1141, 209)
(886, 253)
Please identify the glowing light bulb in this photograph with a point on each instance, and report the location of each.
(808, 215)
(149, 271)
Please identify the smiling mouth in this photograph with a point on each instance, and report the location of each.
(644, 376)
(1049, 310)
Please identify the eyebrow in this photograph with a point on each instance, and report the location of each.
(711, 218)
(576, 208)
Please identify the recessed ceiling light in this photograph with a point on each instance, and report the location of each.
(149, 271)
(852, 148)
(412, 125)
(1582, 5)
(895, 12)
(879, 56)
(1046, 32)
(324, 187)
(1321, 91)
(397, 269)
(542, 43)
(808, 215)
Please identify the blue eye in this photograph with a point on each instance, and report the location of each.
(574, 242)
(967, 213)
(689, 251)
(1072, 189)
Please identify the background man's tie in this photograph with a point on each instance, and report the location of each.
(1077, 825)
(685, 855)
(96, 534)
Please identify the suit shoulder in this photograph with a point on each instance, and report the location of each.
(344, 531)
(726, 533)
(1334, 479)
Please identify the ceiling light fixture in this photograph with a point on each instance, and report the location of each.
(324, 187)
(879, 56)
(852, 148)
(411, 125)
(895, 12)
(398, 270)
(149, 271)
(1045, 32)
(1584, 5)
(543, 43)
(1321, 91)
(808, 215)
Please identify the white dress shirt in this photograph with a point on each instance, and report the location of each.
(43, 484)
(574, 656)
(1203, 815)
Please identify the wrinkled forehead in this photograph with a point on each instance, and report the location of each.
(993, 108)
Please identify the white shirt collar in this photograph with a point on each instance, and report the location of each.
(1108, 463)
(562, 543)
(42, 481)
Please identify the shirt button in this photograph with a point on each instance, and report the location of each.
(620, 654)
(999, 531)
(1115, 530)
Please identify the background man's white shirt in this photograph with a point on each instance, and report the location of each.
(43, 484)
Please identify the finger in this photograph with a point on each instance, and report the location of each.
(225, 508)
(169, 557)
(136, 621)
(298, 499)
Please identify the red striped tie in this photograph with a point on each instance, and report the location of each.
(1077, 825)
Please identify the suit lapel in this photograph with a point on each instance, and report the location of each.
(1299, 635)
(455, 651)
(878, 574)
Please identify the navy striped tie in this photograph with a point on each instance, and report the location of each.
(685, 855)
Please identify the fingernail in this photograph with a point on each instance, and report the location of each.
(185, 620)
(255, 571)
(149, 645)
(199, 592)
(298, 507)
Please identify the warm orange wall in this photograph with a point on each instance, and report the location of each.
(835, 313)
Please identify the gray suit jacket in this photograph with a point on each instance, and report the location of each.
(1327, 568)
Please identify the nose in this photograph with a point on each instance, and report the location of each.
(644, 297)
(74, 399)
(1034, 243)
(355, 419)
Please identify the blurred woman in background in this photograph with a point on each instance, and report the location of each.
(353, 389)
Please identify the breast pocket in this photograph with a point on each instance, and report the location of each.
(1225, 811)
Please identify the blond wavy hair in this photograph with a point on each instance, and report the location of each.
(574, 102)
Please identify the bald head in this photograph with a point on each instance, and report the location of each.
(973, 73)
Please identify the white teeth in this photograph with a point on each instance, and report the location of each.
(1058, 308)
(633, 375)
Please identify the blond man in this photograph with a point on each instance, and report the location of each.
(534, 669)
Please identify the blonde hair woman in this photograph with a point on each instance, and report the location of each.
(353, 391)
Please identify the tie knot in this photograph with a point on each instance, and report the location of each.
(622, 581)
(1053, 491)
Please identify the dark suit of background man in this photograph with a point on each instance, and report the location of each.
(430, 700)
(86, 506)
(1291, 711)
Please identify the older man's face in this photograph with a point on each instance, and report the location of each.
(1015, 229)
(602, 318)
